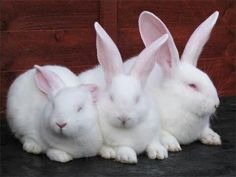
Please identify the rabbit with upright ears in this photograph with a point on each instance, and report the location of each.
(48, 112)
(185, 96)
(128, 119)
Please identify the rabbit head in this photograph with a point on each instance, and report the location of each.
(125, 102)
(70, 110)
(182, 79)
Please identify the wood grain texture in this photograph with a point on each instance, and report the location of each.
(27, 15)
(65, 47)
(61, 32)
(175, 12)
(108, 17)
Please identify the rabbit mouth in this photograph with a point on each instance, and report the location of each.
(205, 114)
(59, 132)
(125, 125)
(121, 125)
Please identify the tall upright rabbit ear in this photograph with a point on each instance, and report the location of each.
(151, 28)
(47, 81)
(108, 54)
(198, 39)
(147, 59)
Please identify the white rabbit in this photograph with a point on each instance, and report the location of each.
(128, 120)
(185, 96)
(50, 113)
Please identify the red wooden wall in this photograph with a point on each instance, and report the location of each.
(61, 32)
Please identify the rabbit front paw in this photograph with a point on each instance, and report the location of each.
(209, 137)
(126, 155)
(171, 143)
(157, 151)
(59, 156)
(108, 152)
(31, 147)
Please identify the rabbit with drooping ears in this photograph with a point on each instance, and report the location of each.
(49, 112)
(128, 121)
(185, 96)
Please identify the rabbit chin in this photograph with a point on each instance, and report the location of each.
(65, 132)
(203, 109)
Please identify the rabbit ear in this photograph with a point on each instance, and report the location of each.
(108, 54)
(93, 90)
(151, 28)
(47, 81)
(198, 39)
(147, 59)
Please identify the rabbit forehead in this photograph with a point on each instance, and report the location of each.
(70, 97)
(192, 75)
(125, 86)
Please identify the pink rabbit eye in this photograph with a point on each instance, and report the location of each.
(193, 86)
(137, 98)
(111, 98)
(79, 109)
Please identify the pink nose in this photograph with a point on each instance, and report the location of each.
(62, 125)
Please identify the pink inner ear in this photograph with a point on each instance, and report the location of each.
(165, 64)
(147, 59)
(42, 83)
(47, 81)
(198, 39)
(151, 28)
(108, 54)
(93, 90)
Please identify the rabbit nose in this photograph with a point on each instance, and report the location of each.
(61, 125)
(123, 119)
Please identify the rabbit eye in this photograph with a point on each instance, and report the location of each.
(111, 98)
(137, 98)
(193, 86)
(79, 109)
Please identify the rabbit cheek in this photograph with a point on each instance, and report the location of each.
(207, 109)
(213, 108)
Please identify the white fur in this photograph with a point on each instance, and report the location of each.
(32, 117)
(185, 112)
(124, 97)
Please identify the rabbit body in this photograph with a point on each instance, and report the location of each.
(34, 108)
(185, 96)
(129, 123)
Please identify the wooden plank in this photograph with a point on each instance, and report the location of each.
(20, 50)
(176, 13)
(108, 17)
(26, 15)
(222, 72)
